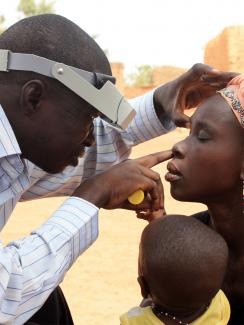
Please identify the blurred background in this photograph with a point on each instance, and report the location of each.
(147, 43)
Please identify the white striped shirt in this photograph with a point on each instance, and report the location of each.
(30, 268)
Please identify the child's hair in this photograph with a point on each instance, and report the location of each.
(182, 261)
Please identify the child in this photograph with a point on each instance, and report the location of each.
(182, 265)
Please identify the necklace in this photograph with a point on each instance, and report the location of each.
(159, 312)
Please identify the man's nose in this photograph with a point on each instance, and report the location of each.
(90, 140)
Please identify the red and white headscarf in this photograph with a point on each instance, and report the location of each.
(234, 95)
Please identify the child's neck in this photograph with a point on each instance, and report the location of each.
(170, 319)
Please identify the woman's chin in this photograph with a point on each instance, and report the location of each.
(180, 195)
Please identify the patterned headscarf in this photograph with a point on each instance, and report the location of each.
(234, 95)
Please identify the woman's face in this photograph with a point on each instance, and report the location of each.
(206, 166)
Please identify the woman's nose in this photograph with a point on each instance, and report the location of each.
(178, 150)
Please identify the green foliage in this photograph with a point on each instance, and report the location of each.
(30, 7)
(142, 77)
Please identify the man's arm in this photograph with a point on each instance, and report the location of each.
(32, 267)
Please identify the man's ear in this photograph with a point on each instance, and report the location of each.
(145, 291)
(32, 93)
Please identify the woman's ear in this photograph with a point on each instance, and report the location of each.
(31, 95)
(145, 291)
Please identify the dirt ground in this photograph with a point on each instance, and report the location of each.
(102, 283)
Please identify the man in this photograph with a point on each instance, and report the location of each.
(47, 148)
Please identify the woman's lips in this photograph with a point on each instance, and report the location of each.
(173, 174)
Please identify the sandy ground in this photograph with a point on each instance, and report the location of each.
(102, 283)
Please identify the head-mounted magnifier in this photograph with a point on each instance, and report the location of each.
(95, 88)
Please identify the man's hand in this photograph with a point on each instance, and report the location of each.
(111, 188)
(188, 91)
(150, 215)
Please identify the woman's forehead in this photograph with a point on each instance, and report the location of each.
(215, 110)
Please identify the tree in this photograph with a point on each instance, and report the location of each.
(142, 77)
(2, 20)
(31, 8)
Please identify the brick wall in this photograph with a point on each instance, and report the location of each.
(160, 75)
(131, 92)
(226, 51)
(164, 74)
(118, 72)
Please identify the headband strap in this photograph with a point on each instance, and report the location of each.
(234, 103)
(96, 88)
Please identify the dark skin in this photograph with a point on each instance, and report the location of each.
(53, 129)
(208, 167)
(53, 126)
(187, 315)
(42, 118)
(183, 292)
(189, 90)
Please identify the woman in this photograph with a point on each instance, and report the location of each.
(208, 167)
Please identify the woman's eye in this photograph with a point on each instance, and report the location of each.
(203, 136)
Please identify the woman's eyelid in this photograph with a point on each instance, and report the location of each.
(199, 132)
(203, 134)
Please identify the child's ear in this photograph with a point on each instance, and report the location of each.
(144, 287)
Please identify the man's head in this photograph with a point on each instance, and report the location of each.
(51, 123)
(208, 166)
(182, 263)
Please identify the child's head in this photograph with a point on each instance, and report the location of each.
(209, 163)
(182, 263)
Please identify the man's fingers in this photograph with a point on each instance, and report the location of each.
(149, 215)
(220, 76)
(155, 196)
(145, 205)
(160, 185)
(153, 187)
(199, 69)
(181, 120)
(155, 158)
(218, 85)
(149, 173)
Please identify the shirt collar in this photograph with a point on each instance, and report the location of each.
(8, 142)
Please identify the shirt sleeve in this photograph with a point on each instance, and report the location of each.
(146, 124)
(32, 267)
(112, 146)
